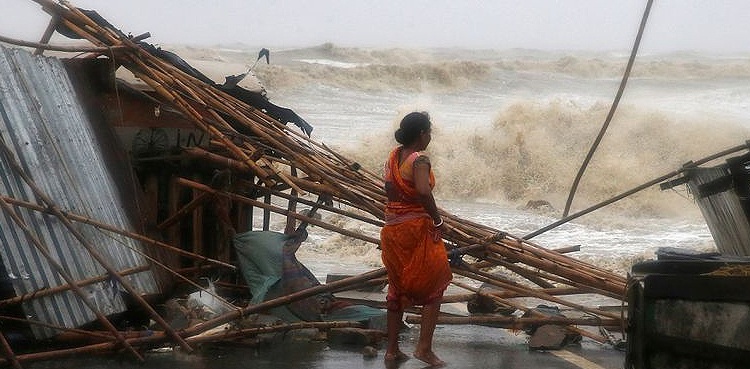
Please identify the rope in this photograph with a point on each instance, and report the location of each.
(612, 110)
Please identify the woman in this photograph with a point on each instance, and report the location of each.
(413, 250)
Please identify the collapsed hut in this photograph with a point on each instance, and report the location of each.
(93, 230)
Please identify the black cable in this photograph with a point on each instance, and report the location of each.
(612, 110)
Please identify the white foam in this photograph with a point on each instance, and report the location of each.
(332, 63)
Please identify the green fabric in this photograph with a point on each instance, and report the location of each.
(272, 271)
(260, 256)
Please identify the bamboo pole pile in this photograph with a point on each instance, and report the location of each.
(291, 167)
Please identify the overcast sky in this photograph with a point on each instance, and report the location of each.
(700, 25)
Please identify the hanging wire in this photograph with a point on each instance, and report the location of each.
(612, 110)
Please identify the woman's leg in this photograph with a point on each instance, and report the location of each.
(427, 328)
(394, 321)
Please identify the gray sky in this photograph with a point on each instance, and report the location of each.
(701, 25)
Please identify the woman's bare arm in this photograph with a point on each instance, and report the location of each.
(422, 184)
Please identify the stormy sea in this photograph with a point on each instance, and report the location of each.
(514, 126)
(510, 127)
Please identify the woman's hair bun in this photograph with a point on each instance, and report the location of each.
(412, 126)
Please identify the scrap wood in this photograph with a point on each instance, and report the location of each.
(277, 135)
(534, 313)
(226, 333)
(315, 161)
(249, 142)
(157, 338)
(517, 323)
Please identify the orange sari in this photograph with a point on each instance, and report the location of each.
(412, 250)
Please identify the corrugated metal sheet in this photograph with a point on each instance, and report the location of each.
(43, 123)
(722, 211)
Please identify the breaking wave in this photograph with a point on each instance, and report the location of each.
(415, 76)
(409, 69)
(533, 151)
(534, 146)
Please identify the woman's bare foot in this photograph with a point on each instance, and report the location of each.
(395, 357)
(429, 357)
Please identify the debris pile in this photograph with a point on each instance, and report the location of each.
(269, 164)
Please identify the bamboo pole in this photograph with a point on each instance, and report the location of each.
(12, 162)
(79, 337)
(185, 210)
(213, 323)
(275, 209)
(331, 209)
(517, 323)
(582, 287)
(525, 309)
(72, 49)
(62, 288)
(560, 269)
(328, 172)
(574, 263)
(9, 354)
(148, 241)
(44, 251)
(488, 278)
(242, 333)
(368, 283)
(47, 35)
(218, 160)
(292, 207)
(554, 291)
(81, 332)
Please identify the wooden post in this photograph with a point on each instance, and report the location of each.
(291, 207)
(174, 213)
(267, 212)
(151, 200)
(197, 230)
(250, 211)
